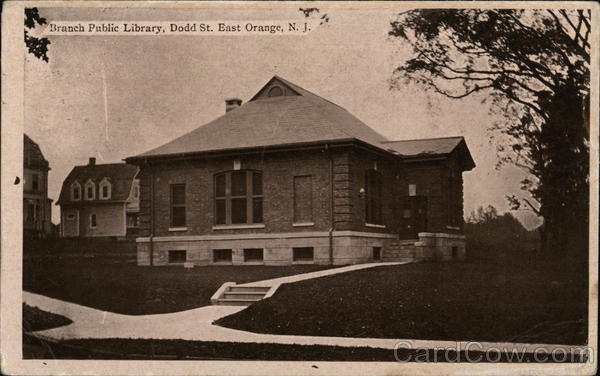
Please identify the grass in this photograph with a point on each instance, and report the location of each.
(126, 288)
(148, 349)
(34, 319)
(517, 302)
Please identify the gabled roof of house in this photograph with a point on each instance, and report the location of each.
(33, 156)
(120, 176)
(430, 147)
(298, 118)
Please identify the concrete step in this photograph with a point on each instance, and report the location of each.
(236, 301)
(244, 295)
(247, 289)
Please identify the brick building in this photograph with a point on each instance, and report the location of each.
(100, 200)
(37, 207)
(290, 177)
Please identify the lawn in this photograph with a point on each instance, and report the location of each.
(519, 302)
(35, 319)
(126, 288)
(149, 349)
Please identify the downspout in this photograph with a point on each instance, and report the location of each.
(152, 218)
(331, 219)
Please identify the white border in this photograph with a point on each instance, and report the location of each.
(11, 220)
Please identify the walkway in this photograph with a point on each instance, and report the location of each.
(196, 325)
(321, 273)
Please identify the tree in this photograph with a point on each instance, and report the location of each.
(534, 64)
(36, 46)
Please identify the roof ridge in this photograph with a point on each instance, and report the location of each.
(296, 86)
(423, 139)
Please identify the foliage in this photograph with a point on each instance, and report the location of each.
(36, 46)
(534, 64)
(308, 12)
(494, 237)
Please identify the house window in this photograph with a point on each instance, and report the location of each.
(75, 191)
(31, 211)
(373, 191)
(178, 205)
(177, 257)
(222, 255)
(302, 199)
(132, 220)
(376, 253)
(412, 189)
(105, 189)
(35, 182)
(406, 213)
(303, 254)
(136, 189)
(93, 222)
(275, 91)
(238, 197)
(90, 190)
(253, 254)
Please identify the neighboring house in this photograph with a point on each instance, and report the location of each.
(37, 207)
(100, 200)
(290, 177)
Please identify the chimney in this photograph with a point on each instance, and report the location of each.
(92, 161)
(232, 104)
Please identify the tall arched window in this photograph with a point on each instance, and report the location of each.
(90, 190)
(76, 191)
(238, 197)
(105, 189)
(373, 197)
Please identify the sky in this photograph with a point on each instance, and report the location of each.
(111, 97)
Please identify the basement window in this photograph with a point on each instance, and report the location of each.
(303, 254)
(222, 255)
(253, 254)
(376, 253)
(177, 257)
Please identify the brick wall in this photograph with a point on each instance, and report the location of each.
(361, 162)
(198, 176)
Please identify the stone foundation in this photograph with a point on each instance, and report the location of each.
(349, 247)
(440, 246)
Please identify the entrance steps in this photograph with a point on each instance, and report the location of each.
(400, 250)
(231, 294)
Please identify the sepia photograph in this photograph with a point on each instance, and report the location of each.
(299, 188)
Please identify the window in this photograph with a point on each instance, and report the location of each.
(93, 222)
(105, 189)
(75, 191)
(253, 254)
(376, 253)
(303, 254)
(178, 205)
(373, 183)
(302, 199)
(35, 182)
(31, 214)
(132, 220)
(454, 252)
(177, 257)
(238, 197)
(222, 255)
(406, 213)
(412, 189)
(136, 189)
(275, 91)
(90, 190)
